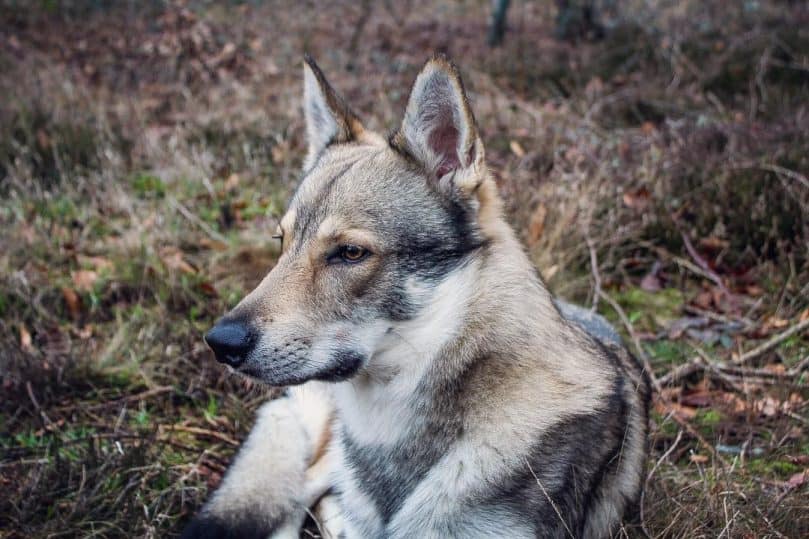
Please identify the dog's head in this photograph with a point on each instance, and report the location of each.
(374, 228)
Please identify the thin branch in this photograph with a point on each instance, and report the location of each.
(185, 212)
(703, 264)
(777, 169)
(687, 264)
(696, 435)
(665, 455)
(129, 398)
(771, 343)
(200, 431)
(35, 402)
(695, 364)
(797, 369)
(553, 504)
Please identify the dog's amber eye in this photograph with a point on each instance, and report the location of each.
(352, 253)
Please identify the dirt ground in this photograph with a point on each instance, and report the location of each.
(656, 171)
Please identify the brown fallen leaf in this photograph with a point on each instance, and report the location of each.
(278, 153)
(671, 393)
(516, 148)
(712, 243)
(683, 412)
(733, 403)
(173, 259)
(85, 333)
(84, 280)
(72, 301)
(697, 399)
(776, 322)
(212, 244)
(775, 368)
(27, 233)
(698, 459)
(798, 479)
(208, 289)
(98, 263)
(536, 226)
(704, 300)
(767, 406)
(651, 281)
(232, 182)
(753, 290)
(26, 343)
(550, 272)
(638, 199)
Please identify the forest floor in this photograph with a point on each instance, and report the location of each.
(658, 173)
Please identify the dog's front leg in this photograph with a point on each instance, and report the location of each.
(279, 473)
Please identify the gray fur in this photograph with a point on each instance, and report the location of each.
(593, 323)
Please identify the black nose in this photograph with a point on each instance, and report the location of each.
(231, 341)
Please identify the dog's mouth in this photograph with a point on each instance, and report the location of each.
(343, 364)
(346, 364)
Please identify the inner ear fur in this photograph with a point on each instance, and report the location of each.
(439, 130)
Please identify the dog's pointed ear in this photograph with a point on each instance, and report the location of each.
(439, 129)
(328, 118)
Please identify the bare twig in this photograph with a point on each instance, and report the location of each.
(760, 373)
(663, 457)
(726, 372)
(797, 417)
(695, 364)
(777, 169)
(202, 432)
(716, 317)
(717, 370)
(703, 264)
(697, 436)
(771, 343)
(35, 402)
(701, 268)
(800, 367)
(130, 398)
(185, 212)
(553, 504)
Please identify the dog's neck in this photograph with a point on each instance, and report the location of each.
(489, 302)
(495, 288)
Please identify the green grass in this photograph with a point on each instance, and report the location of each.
(148, 186)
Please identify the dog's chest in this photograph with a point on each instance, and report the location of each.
(387, 474)
(379, 485)
(387, 449)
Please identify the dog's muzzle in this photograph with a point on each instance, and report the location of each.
(231, 341)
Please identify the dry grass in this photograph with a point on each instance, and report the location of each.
(146, 153)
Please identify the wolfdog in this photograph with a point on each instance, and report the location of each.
(435, 386)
